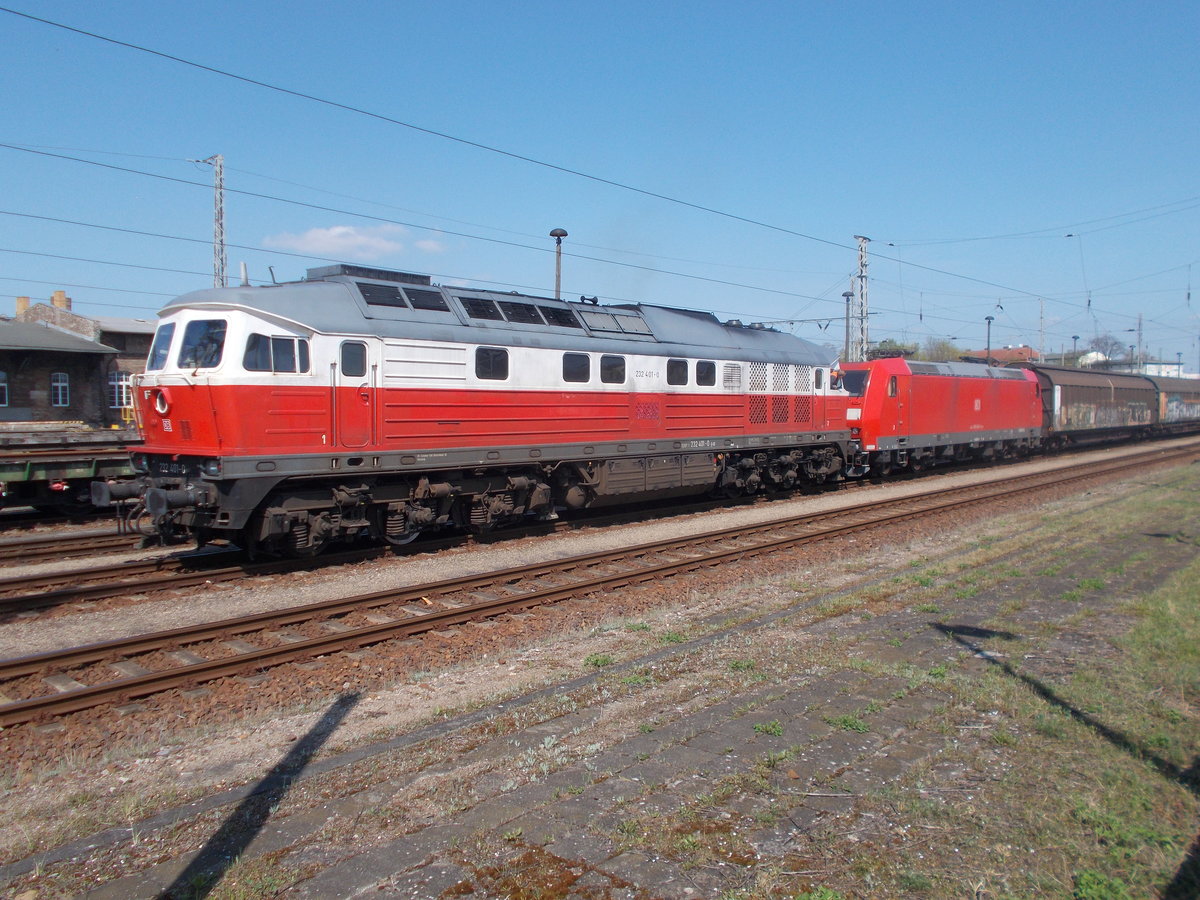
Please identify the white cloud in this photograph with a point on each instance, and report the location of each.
(430, 246)
(343, 241)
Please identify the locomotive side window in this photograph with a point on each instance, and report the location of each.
(161, 347)
(491, 363)
(277, 354)
(819, 379)
(354, 359)
(426, 299)
(202, 345)
(891, 387)
(706, 373)
(612, 369)
(3, 389)
(577, 368)
(677, 371)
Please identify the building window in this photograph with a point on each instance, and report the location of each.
(120, 394)
(60, 389)
(491, 363)
(3, 389)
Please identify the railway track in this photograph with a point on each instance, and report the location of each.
(71, 546)
(36, 688)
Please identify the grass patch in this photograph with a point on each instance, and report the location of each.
(848, 722)
(1074, 751)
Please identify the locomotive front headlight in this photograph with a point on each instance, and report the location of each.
(211, 467)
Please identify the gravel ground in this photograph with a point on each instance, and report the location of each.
(68, 797)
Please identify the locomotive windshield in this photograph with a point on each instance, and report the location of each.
(855, 382)
(203, 344)
(160, 348)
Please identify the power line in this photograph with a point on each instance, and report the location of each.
(429, 131)
(491, 149)
(387, 221)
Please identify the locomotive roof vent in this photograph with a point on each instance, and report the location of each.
(322, 272)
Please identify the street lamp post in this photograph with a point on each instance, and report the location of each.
(558, 234)
(988, 359)
(1075, 350)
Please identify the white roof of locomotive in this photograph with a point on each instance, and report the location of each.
(334, 304)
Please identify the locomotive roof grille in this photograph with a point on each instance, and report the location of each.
(323, 272)
(398, 305)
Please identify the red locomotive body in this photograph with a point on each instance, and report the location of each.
(912, 414)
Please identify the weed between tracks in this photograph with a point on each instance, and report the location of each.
(1061, 761)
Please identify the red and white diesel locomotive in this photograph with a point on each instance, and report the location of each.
(368, 402)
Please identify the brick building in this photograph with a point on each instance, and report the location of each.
(60, 368)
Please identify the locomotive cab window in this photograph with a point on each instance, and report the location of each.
(275, 354)
(160, 348)
(677, 371)
(706, 373)
(203, 344)
(612, 369)
(855, 382)
(354, 359)
(491, 363)
(818, 378)
(891, 386)
(577, 368)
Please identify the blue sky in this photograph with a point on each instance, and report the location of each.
(708, 155)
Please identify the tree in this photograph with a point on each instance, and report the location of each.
(1111, 347)
(940, 350)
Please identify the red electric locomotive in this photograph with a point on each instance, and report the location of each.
(362, 401)
(914, 414)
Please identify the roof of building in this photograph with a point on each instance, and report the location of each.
(1002, 355)
(117, 325)
(35, 336)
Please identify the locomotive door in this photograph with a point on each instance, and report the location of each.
(354, 395)
(895, 409)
